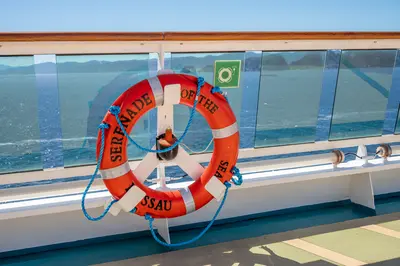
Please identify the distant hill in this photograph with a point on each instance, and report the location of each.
(17, 70)
(102, 66)
(252, 63)
(364, 59)
(310, 60)
(208, 68)
(200, 63)
(87, 67)
(270, 61)
(274, 62)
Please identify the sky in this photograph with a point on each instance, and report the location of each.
(200, 15)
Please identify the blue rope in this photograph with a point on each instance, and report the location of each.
(239, 180)
(218, 90)
(102, 127)
(151, 219)
(115, 110)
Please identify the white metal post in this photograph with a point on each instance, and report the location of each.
(161, 57)
(165, 118)
(363, 153)
(362, 191)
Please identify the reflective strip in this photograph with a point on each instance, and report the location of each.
(225, 132)
(116, 171)
(188, 199)
(157, 90)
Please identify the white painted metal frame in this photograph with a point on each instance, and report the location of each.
(353, 168)
(121, 47)
(59, 173)
(361, 190)
(33, 176)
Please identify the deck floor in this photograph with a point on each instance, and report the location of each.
(367, 241)
(333, 235)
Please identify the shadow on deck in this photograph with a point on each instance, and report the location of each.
(275, 250)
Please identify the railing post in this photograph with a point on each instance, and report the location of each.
(154, 66)
(392, 109)
(250, 85)
(167, 60)
(328, 91)
(49, 120)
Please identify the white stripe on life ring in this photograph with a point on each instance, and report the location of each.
(225, 132)
(188, 199)
(216, 188)
(116, 171)
(157, 89)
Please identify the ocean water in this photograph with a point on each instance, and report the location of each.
(286, 111)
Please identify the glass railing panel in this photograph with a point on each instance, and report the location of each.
(394, 100)
(203, 64)
(289, 97)
(88, 85)
(19, 133)
(365, 78)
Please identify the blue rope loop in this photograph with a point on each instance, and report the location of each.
(151, 219)
(239, 180)
(115, 110)
(218, 90)
(200, 81)
(102, 127)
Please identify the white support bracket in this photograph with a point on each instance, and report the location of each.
(162, 224)
(163, 229)
(115, 209)
(161, 179)
(363, 153)
(146, 166)
(129, 201)
(188, 164)
(361, 190)
(165, 119)
(216, 188)
(165, 113)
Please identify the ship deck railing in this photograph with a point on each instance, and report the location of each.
(283, 167)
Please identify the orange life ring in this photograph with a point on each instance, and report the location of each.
(134, 103)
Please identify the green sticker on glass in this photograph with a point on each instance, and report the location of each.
(227, 73)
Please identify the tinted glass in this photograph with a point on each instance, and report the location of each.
(88, 85)
(364, 81)
(289, 97)
(19, 134)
